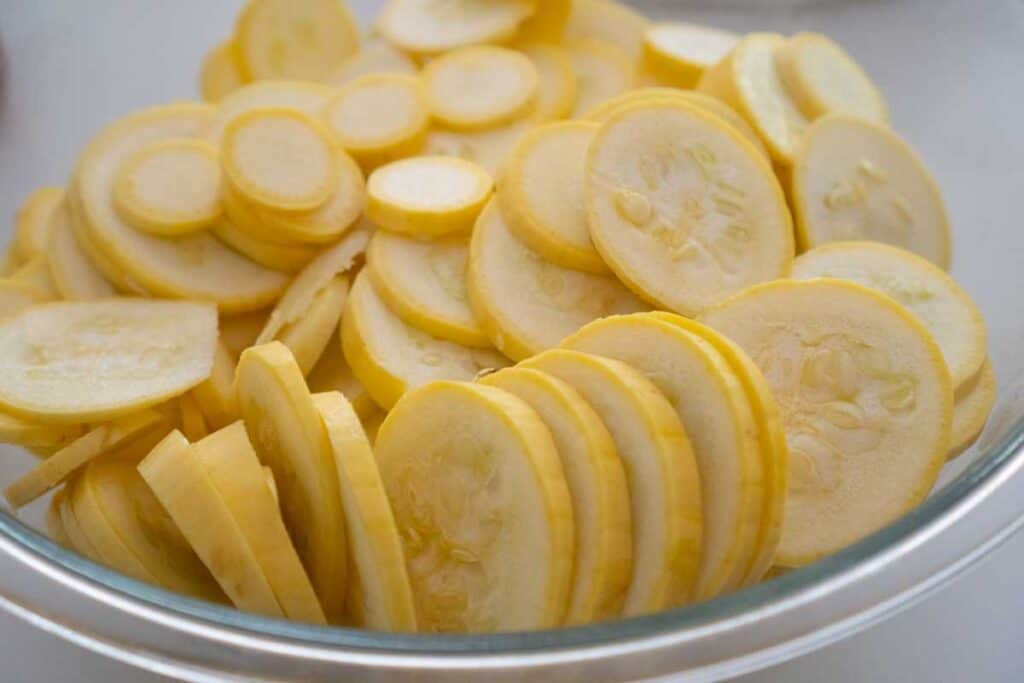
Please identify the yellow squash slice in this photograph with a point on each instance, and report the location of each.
(557, 85)
(489, 149)
(307, 337)
(17, 296)
(389, 357)
(191, 419)
(603, 71)
(375, 56)
(216, 395)
(73, 272)
(36, 435)
(380, 597)
(95, 360)
(610, 21)
(286, 258)
(290, 438)
(857, 180)
(425, 284)
(435, 26)
(332, 373)
(682, 208)
(220, 74)
(677, 54)
(482, 506)
(304, 96)
(36, 274)
(79, 541)
(973, 405)
(598, 487)
(548, 21)
(527, 304)
(865, 398)
(33, 221)
(54, 523)
(664, 485)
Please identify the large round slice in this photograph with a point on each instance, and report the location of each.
(289, 437)
(195, 267)
(857, 180)
(390, 357)
(717, 417)
(435, 26)
(682, 208)
(380, 597)
(425, 284)
(664, 484)
(923, 288)
(482, 507)
(94, 360)
(865, 398)
(527, 304)
(598, 486)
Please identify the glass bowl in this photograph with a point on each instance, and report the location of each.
(951, 70)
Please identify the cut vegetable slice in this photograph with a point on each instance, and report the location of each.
(280, 158)
(824, 79)
(709, 104)
(220, 75)
(923, 288)
(427, 197)
(34, 435)
(236, 473)
(301, 39)
(216, 395)
(79, 541)
(74, 274)
(971, 410)
(9, 260)
(306, 97)
(389, 357)
(380, 597)
(57, 468)
(54, 523)
(557, 87)
(482, 506)
(598, 487)
(677, 53)
(286, 258)
(682, 208)
(185, 490)
(527, 304)
(375, 56)
(380, 118)
(541, 195)
(664, 485)
(17, 296)
(290, 438)
(435, 26)
(480, 87)
(865, 398)
(89, 361)
(36, 274)
(603, 71)
(857, 180)
(147, 532)
(424, 283)
(170, 188)
(487, 148)
(307, 337)
(320, 272)
(610, 21)
(197, 267)
(33, 221)
(332, 373)
(771, 438)
(717, 417)
(748, 81)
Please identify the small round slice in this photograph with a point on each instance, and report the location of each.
(375, 56)
(526, 304)
(924, 289)
(865, 398)
(557, 85)
(170, 188)
(380, 597)
(427, 197)
(857, 180)
(380, 118)
(302, 39)
(390, 357)
(598, 487)
(33, 221)
(665, 491)
(424, 283)
(682, 208)
(220, 75)
(280, 158)
(435, 26)
(480, 87)
(717, 417)
(610, 21)
(482, 506)
(541, 195)
(973, 405)
(73, 272)
(96, 360)
(748, 81)
(603, 71)
(678, 53)
(289, 437)
(824, 79)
